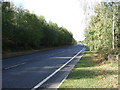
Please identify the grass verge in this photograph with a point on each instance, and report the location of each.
(89, 73)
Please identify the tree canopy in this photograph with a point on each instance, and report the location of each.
(99, 34)
(24, 30)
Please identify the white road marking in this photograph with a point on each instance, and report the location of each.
(66, 76)
(14, 66)
(20, 64)
(43, 81)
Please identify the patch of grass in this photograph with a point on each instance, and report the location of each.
(88, 73)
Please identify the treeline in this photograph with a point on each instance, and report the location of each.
(103, 33)
(24, 30)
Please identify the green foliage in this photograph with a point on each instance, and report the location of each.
(99, 33)
(89, 73)
(25, 30)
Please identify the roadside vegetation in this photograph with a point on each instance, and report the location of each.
(103, 33)
(91, 73)
(98, 68)
(23, 30)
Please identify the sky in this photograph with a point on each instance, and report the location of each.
(67, 13)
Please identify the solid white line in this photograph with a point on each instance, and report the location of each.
(39, 84)
(66, 76)
(14, 66)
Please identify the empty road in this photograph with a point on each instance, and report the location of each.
(39, 69)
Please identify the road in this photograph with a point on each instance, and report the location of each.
(40, 69)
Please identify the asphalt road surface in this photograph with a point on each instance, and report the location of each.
(45, 69)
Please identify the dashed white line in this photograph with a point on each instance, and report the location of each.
(43, 81)
(14, 66)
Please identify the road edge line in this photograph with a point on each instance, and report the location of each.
(69, 72)
(67, 75)
(43, 81)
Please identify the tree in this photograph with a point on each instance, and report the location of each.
(7, 25)
(25, 30)
(99, 33)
